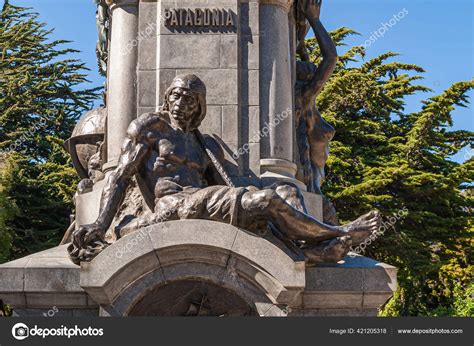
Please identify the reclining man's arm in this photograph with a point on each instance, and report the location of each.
(133, 153)
(134, 150)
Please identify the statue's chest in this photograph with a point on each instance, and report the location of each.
(179, 151)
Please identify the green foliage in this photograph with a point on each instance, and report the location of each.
(463, 305)
(42, 96)
(464, 301)
(7, 210)
(385, 158)
(5, 310)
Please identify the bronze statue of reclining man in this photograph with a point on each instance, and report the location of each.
(176, 169)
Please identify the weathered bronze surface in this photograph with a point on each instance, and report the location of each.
(180, 177)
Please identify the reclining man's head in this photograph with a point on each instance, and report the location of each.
(185, 99)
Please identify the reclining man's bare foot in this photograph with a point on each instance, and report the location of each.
(363, 227)
(329, 251)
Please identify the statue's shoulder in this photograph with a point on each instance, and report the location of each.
(148, 121)
(152, 118)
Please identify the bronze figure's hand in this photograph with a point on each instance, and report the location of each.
(86, 235)
(311, 8)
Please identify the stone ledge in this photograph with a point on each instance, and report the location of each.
(357, 286)
(43, 280)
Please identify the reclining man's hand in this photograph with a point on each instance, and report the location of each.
(86, 235)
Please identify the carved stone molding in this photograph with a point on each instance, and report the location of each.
(284, 4)
(117, 3)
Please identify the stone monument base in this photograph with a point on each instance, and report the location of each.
(194, 268)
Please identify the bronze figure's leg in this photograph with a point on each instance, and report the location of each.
(297, 225)
(291, 194)
(329, 251)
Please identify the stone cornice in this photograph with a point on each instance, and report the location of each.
(117, 3)
(285, 4)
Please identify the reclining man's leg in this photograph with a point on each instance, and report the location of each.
(328, 251)
(291, 195)
(297, 225)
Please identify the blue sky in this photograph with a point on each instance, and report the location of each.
(435, 34)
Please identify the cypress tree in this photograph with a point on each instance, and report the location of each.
(42, 95)
(400, 163)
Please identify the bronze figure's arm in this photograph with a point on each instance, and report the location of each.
(312, 10)
(134, 150)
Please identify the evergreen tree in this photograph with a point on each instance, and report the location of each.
(7, 211)
(42, 95)
(400, 163)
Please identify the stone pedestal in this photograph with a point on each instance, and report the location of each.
(223, 269)
(356, 286)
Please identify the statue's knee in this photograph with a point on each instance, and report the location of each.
(286, 185)
(269, 195)
(287, 190)
(260, 200)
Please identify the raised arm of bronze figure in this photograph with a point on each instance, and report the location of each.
(312, 10)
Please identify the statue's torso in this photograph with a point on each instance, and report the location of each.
(176, 160)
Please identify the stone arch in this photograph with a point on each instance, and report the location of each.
(218, 255)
